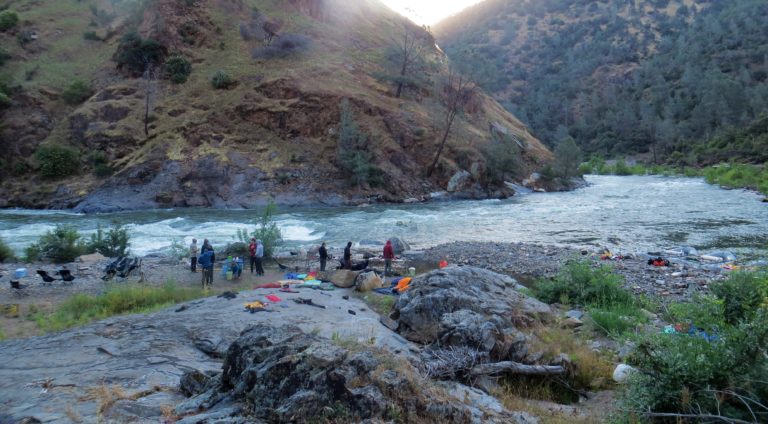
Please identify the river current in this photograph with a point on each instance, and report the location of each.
(626, 214)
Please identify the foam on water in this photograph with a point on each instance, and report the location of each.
(622, 213)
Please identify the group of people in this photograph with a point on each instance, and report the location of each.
(206, 258)
(346, 263)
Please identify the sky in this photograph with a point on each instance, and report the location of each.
(428, 12)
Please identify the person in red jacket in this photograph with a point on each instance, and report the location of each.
(389, 254)
(252, 251)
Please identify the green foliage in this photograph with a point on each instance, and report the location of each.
(682, 84)
(8, 19)
(267, 230)
(135, 54)
(502, 157)
(4, 56)
(222, 80)
(617, 319)
(5, 101)
(81, 309)
(91, 35)
(742, 295)
(738, 176)
(100, 164)
(59, 245)
(6, 254)
(178, 250)
(285, 46)
(578, 282)
(567, 158)
(77, 92)
(112, 243)
(57, 161)
(721, 372)
(178, 69)
(353, 150)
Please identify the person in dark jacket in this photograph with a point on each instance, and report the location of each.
(389, 254)
(323, 252)
(206, 262)
(252, 251)
(348, 256)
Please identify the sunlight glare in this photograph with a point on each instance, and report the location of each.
(429, 12)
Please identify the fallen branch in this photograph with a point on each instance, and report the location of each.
(697, 416)
(515, 368)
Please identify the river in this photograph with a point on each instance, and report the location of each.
(625, 214)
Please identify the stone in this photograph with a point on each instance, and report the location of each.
(368, 281)
(622, 373)
(458, 181)
(574, 314)
(399, 245)
(93, 257)
(343, 278)
(571, 323)
(468, 306)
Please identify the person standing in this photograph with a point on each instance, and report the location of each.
(348, 256)
(252, 251)
(206, 262)
(193, 252)
(323, 252)
(389, 254)
(259, 257)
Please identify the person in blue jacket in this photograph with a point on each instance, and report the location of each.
(206, 263)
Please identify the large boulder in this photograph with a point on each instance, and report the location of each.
(399, 245)
(343, 278)
(285, 375)
(368, 281)
(458, 181)
(467, 306)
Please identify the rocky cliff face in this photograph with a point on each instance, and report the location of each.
(272, 134)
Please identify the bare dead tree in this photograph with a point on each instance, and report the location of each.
(149, 74)
(409, 49)
(455, 94)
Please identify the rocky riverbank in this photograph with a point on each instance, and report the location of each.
(306, 355)
(528, 262)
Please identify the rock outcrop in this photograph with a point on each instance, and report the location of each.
(466, 306)
(281, 374)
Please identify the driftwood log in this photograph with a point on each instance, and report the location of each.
(510, 367)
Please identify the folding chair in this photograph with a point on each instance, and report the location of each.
(18, 289)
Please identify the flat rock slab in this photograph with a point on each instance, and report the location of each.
(67, 376)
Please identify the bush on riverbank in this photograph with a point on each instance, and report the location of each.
(6, 254)
(722, 371)
(60, 245)
(612, 310)
(111, 243)
(81, 309)
(738, 176)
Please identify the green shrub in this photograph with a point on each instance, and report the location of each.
(134, 54)
(5, 101)
(717, 368)
(178, 69)
(353, 150)
(742, 295)
(579, 283)
(57, 161)
(8, 19)
(221, 80)
(91, 35)
(76, 93)
(4, 56)
(6, 254)
(616, 320)
(59, 245)
(112, 243)
(267, 230)
(690, 374)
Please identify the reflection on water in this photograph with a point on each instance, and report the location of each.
(623, 213)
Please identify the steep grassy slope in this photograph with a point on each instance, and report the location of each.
(272, 133)
(621, 76)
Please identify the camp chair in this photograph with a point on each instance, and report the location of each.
(44, 275)
(66, 275)
(18, 289)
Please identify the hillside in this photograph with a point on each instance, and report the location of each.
(258, 116)
(659, 77)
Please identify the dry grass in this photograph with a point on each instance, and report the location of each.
(593, 370)
(106, 396)
(549, 415)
